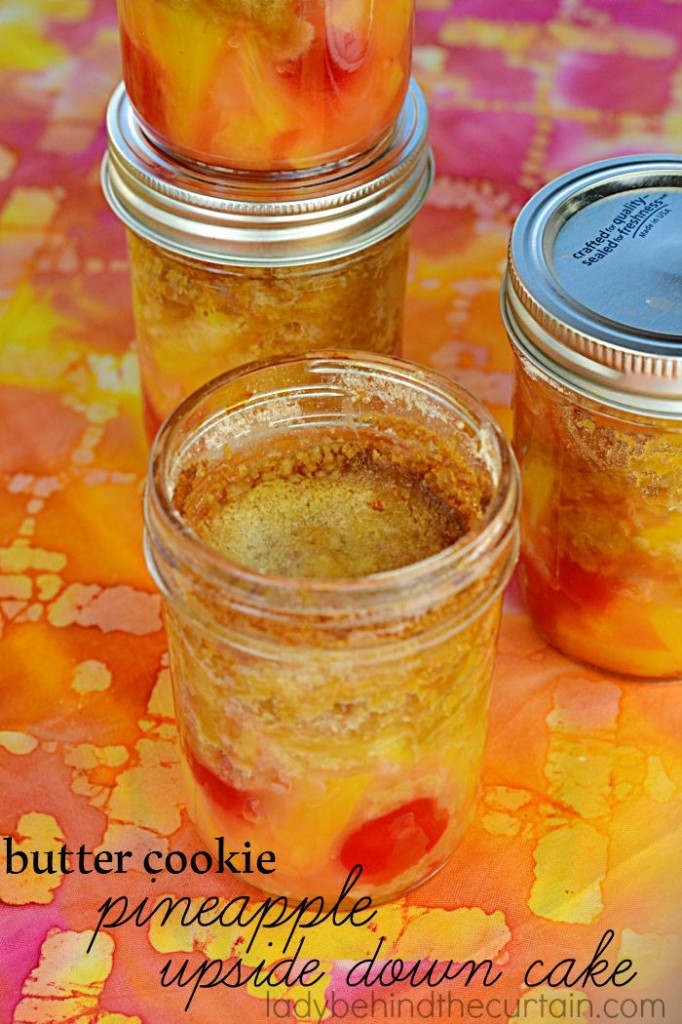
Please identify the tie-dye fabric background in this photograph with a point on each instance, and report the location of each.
(580, 819)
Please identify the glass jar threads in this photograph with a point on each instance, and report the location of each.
(231, 268)
(262, 85)
(593, 306)
(331, 536)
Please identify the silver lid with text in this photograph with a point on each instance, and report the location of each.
(593, 291)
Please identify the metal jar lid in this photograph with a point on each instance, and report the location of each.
(593, 290)
(253, 219)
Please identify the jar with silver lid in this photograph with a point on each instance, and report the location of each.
(231, 267)
(592, 302)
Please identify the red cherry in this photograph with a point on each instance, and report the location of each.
(389, 845)
(582, 586)
(236, 802)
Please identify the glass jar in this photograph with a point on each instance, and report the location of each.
(593, 305)
(262, 85)
(228, 269)
(331, 536)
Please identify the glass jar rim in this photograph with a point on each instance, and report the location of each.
(485, 537)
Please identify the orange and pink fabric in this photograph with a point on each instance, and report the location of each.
(578, 830)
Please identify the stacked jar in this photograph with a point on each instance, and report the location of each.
(331, 672)
(593, 308)
(267, 158)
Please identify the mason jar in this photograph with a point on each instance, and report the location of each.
(331, 536)
(227, 268)
(593, 307)
(262, 85)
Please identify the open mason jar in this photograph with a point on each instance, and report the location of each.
(593, 307)
(267, 85)
(331, 535)
(227, 269)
